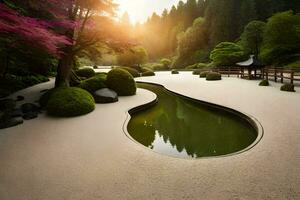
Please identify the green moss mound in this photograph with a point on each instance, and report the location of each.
(93, 84)
(196, 72)
(121, 82)
(204, 74)
(70, 102)
(264, 83)
(133, 72)
(148, 73)
(213, 76)
(174, 72)
(85, 72)
(288, 88)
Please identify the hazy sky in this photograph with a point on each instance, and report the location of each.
(140, 10)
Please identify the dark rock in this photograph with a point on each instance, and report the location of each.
(95, 67)
(20, 98)
(16, 113)
(105, 95)
(10, 123)
(29, 107)
(7, 104)
(30, 115)
(45, 90)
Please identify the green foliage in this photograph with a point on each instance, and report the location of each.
(293, 65)
(121, 81)
(133, 56)
(264, 83)
(252, 37)
(288, 88)
(197, 66)
(93, 84)
(11, 83)
(85, 72)
(227, 53)
(213, 76)
(166, 62)
(282, 39)
(204, 74)
(148, 73)
(159, 67)
(70, 102)
(132, 71)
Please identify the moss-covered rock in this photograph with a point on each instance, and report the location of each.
(213, 76)
(85, 72)
(70, 102)
(204, 74)
(264, 83)
(174, 72)
(132, 71)
(196, 72)
(93, 84)
(288, 88)
(121, 81)
(148, 73)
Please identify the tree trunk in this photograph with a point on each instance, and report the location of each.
(64, 70)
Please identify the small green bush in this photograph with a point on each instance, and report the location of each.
(213, 76)
(148, 73)
(166, 62)
(204, 74)
(132, 71)
(85, 72)
(70, 102)
(121, 82)
(288, 88)
(264, 83)
(196, 72)
(174, 72)
(93, 84)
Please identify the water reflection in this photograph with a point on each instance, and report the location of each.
(181, 127)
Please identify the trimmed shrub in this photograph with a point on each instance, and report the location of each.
(148, 73)
(85, 72)
(204, 74)
(264, 83)
(93, 84)
(288, 88)
(174, 72)
(132, 71)
(159, 67)
(166, 62)
(213, 76)
(196, 72)
(121, 82)
(70, 102)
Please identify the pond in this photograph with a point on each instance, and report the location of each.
(182, 127)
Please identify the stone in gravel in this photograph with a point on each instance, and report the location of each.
(30, 115)
(10, 123)
(29, 107)
(105, 95)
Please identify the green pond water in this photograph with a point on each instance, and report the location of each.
(181, 127)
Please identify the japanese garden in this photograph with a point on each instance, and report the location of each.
(149, 99)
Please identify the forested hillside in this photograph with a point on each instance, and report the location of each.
(189, 31)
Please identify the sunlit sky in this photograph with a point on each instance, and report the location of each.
(140, 10)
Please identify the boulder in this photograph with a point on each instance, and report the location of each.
(16, 113)
(30, 107)
(105, 95)
(30, 115)
(20, 98)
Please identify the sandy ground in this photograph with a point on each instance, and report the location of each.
(90, 157)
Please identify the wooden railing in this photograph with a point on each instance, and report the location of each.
(281, 74)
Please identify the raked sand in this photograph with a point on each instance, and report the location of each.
(90, 157)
